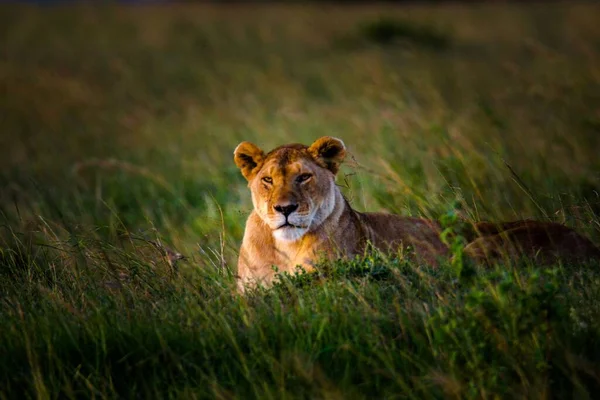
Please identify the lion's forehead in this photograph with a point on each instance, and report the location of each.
(287, 163)
(287, 171)
(285, 156)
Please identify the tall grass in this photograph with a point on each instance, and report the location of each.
(118, 126)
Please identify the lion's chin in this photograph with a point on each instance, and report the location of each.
(289, 233)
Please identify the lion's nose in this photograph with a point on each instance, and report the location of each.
(287, 209)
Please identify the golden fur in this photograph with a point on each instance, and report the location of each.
(546, 242)
(324, 224)
(300, 216)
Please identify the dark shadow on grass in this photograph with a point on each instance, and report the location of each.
(386, 31)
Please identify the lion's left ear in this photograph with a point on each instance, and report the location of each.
(328, 152)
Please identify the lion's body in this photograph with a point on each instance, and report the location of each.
(544, 242)
(300, 217)
(346, 234)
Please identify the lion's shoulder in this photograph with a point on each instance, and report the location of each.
(257, 232)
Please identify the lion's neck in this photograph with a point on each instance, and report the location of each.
(330, 223)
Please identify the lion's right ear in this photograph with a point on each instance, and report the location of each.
(249, 158)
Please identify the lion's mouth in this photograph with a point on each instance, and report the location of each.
(288, 225)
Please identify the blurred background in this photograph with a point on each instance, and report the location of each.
(118, 122)
(123, 117)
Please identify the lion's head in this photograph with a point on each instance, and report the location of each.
(293, 186)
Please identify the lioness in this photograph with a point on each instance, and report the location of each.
(300, 216)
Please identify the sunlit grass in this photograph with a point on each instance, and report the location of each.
(118, 127)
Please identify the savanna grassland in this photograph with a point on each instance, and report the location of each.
(117, 127)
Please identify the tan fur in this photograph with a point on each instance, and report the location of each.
(335, 230)
(544, 242)
(325, 225)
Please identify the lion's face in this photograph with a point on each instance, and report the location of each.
(293, 186)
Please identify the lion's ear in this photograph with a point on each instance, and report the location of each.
(328, 152)
(249, 158)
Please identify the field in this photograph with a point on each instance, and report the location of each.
(118, 126)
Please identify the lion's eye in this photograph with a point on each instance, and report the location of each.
(303, 178)
(267, 179)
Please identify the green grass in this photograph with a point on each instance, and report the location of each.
(118, 127)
